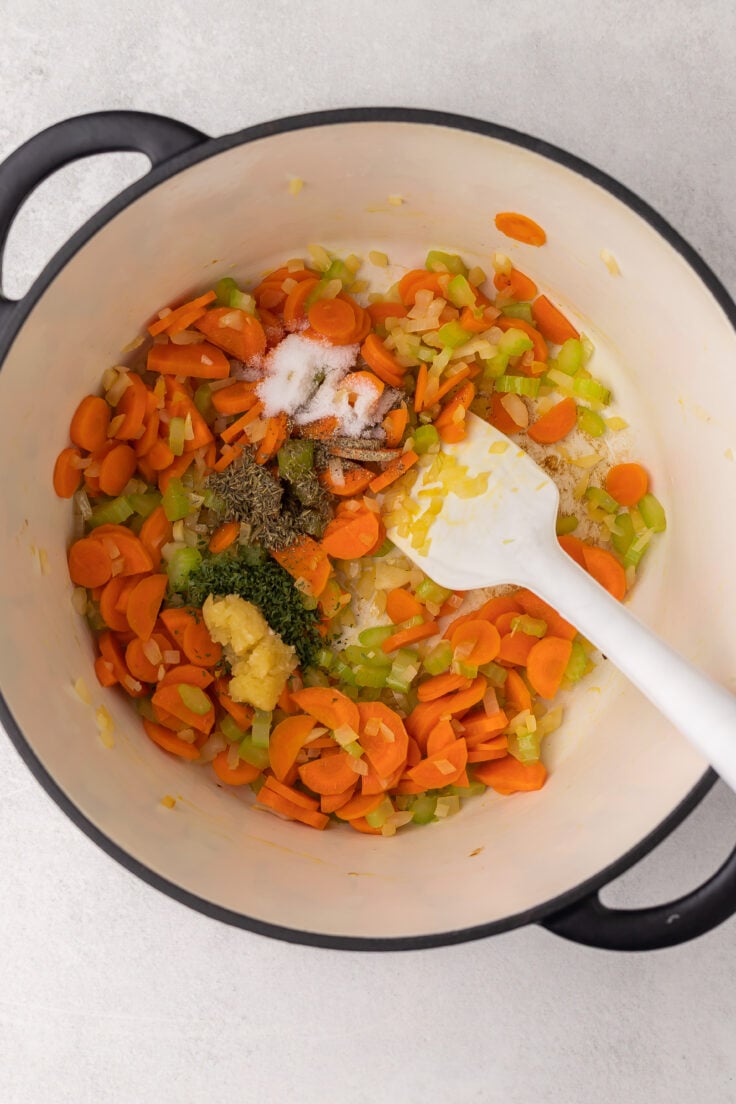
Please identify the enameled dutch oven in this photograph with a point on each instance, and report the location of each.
(620, 778)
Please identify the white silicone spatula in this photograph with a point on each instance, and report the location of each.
(507, 535)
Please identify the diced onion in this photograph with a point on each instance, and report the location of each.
(188, 735)
(344, 734)
(152, 652)
(212, 747)
(233, 756)
(357, 765)
(445, 767)
(490, 702)
(171, 658)
(79, 600)
(82, 691)
(516, 408)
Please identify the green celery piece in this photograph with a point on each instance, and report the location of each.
(601, 499)
(452, 334)
(570, 357)
(314, 677)
(223, 290)
(590, 422)
(652, 512)
(460, 293)
(296, 459)
(495, 673)
(577, 662)
(425, 437)
(429, 591)
(194, 699)
(422, 809)
(261, 727)
(592, 390)
(375, 677)
(525, 746)
(518, 385)
(438, 659)
(437, 261)
(566, 523)
(145, 504)
(519, 310)
(175, 501)
(183, 562)
(113, 512)
(176, 436)
(230, 730)
(251, 753)
(374, 638)
(514, 343)
(623, 534)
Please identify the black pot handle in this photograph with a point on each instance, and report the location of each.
(157, 136)
(650, 929)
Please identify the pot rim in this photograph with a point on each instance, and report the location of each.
(211, 147)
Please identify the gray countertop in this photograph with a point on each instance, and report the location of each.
(110, 991)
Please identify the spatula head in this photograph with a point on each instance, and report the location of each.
(483, 511)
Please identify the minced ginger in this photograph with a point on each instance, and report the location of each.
(259, 660)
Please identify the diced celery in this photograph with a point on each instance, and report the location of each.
(181, 565)
(525, 746)
(114, 512)
(570, 356)
(514, 343)
(177, 427)
(404, 670)
(652, 512)
(232, 732)
(384, 549)
(203, 402)
(378, 816)
(623, 534)
(223, 289)
(532, 626)
(601, 499)
(422, 809)
(577, 662)
(452, 334)
(591, 389)
(425, 437)
(403, 802)
(467, 670)
(145, 708)
(590, 422)
(257, 784)
(338, 270)
(354, 749)
(175, 501)
(358, 656)
(519, 310)
(194, 699)
(437, 261)
(460, 293)
(438, 659)
(374, 638)
(213, 501)
(325, 658)
(240, 300)
(429, 591)
(371, 676)
(144, 504)
(253, 754)
(261, 727)
(296, 459)
(566, 523)
(312, 676)
(637, 548)
(495, 673)
(494, 367)
(472, 790)
(518, 385)
(343, 672)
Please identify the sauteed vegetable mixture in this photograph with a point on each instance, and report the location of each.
(232, 486)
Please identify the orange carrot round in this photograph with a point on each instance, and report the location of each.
(67, 476)
(89, 563)
(328, 706)
(133, 405)
(627, 483)
(395, 424)
(354, 482)
(382, 361)
(478, 641)
(384, 737)
(401, 604)
(144, 603)
(294, 306)
(517, 693)
(334, 319)
(236, 332)
(439, 685)
(551, 322)
(555, 424)
(89, 423)
(234, 776)
(546, 664)
(515, 648)
(198, 646)
(349, 538)
(329, 774)
(520, 227)
(518, 285)
(225, 535)
(379, 312)
(287, 740)
(114, 618)
(169, 741)
(405, 637)
(508, 775)
(606, 570)
(541, 352)
(117, 469)
(573, 546)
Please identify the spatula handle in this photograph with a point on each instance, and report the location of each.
(702, 710)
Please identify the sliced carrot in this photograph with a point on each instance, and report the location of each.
(470, 321)
(320, 429)
(418, 279)
(349, 538)
(485, 753)
(89, 424)
(559, 420)
(360, 824)
(551, 322)
(67, 476)
(329, 774)
(383, 362)
(330, 803)
(505, 622)
(451, 383)
(203, 361)
(573, 546)
(169, 699)
(89, 564)
(458, 403)
(499, 417)
(306, 560)
(541, 352)
(494, 607)
(394, 425)
(104, 672)
(405, 637)
(199, 647)
(295, 304)
(546, 664)
(426, 715)
(393, 471)
(156, 531)
(517, 693)
(160, 456)
(478, 642)
(383, 737)
(520, 227)
(515, 648)
(175, 470)
(112, 653)
(176, 620)
(439, 685)
(627, 483)
(133, 405)
(187, 674)
(236, 428)
(236, 332)
(508, 775)
(451, 434)
(482, 727)
(235, 399)
(170, 322)
(242, 714)
(138, 662)
(277, 429)
(145, 443)
(359, 806)
(225, 535)
(333, 319)
(287, 740)
(401, 604)
(606, 570)
(298, 797)
(169, 742)
(431, 772)
(442, 735)
(117, 469)
(234, 776)
(290, 809)
(537, 607)
(328, 706)
(518, 285)
(144, 603)
(354, 481)
(373, 783)
(112, 617)
(379, 312)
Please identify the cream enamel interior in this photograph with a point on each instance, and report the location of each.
(617, 768)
